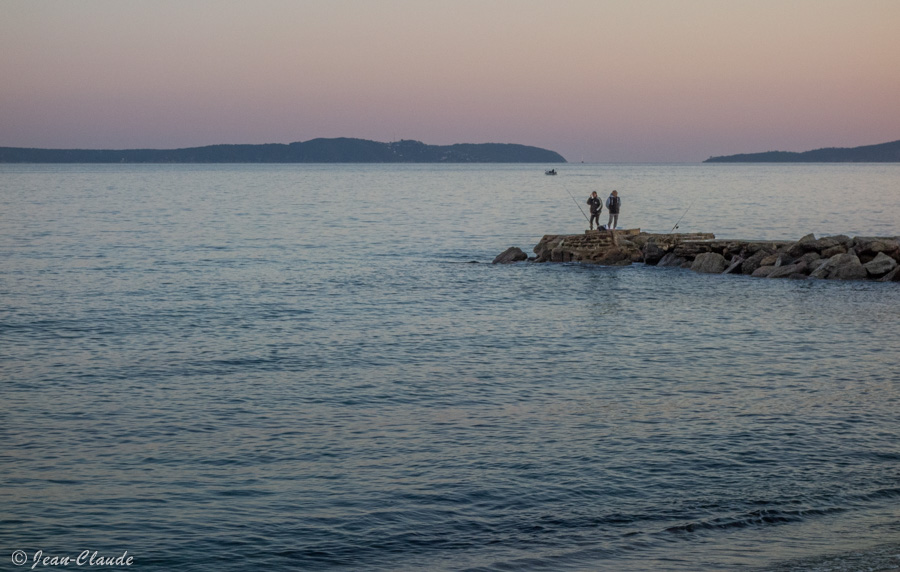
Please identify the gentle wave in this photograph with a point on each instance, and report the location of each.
(311, 374)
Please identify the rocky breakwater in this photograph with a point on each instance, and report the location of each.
(831, 257)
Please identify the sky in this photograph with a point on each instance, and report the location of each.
(595, 80)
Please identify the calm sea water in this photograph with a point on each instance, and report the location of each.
(299, 367)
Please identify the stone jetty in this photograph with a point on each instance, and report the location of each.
(829, 257)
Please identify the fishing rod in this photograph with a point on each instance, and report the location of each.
(576, 203)
(682, 215)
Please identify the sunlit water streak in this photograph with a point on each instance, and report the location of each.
(297, 367)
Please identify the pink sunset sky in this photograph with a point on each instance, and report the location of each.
(596, 80)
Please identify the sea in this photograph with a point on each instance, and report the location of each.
(317, 367)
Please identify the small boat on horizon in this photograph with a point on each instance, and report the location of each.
(550, 172)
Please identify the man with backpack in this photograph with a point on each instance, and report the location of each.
(612, 205)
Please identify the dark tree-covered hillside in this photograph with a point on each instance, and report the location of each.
(881, 153)
(340, 150)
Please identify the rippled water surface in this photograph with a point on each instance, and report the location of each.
(311, 367)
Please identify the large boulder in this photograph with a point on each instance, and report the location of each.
(811, 259)
(834, 250)
(789, 270)
(690, 250)
(544, 249)
(671, 259)
(774, 259)
(827, 242)
(653, 253)
(802, 246)
(633, 250)
(851, 269)
(731, 249)
(615, 256)
(560, 254)
(880, 265)
(753, 262)
(709, 263)
(867, 248)
(510, 255)
(840, 267)
(892, 276)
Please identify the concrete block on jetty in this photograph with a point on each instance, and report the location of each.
(830, 257)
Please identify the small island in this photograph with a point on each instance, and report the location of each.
(339, 150)
(881, 153)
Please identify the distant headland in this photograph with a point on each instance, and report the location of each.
(339, 150)
(881, 153)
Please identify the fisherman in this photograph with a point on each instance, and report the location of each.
(596, 209)
(612, 204)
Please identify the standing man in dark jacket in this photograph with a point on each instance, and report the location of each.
(596, 209)
(612, 204)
